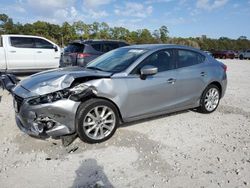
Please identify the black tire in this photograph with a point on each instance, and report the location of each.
(241, 57)
(202, 107)
(87, 107)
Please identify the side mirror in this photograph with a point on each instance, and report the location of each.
(148, 70)
(55, 48)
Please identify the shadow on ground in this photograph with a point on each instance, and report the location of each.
(91, 175)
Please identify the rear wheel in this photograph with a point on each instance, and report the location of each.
(96, 120)
(241, 57)
(210, 99)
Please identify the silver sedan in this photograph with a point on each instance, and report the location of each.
(123, 85)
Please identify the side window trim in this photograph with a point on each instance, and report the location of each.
(133, 72)
(12, 38)
(36, 41)
(188, 50)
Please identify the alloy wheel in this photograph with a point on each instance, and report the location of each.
(212, 99)
(99, 122)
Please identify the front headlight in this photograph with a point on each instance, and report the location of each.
(58, 95)
(48, 98)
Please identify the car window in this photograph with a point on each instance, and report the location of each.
(97, 47)
(163, 60)
(74, 48)
(187, 58)
(106, 47)
(22, 42)
(41, 43)
(248, 51)
(121, 44)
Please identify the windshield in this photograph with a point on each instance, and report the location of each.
(116, 60)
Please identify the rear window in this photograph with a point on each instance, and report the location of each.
(74, 48)
(109, 46)
(22, 42)
(97, 47)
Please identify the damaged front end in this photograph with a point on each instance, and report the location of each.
(52, 114)
(46, 103)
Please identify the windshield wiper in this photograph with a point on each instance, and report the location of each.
(94, 68)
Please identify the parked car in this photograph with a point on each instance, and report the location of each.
(226, 54)
(245, 54)
(26, 53)
(123, 85)
(236, 54)
(209, 53)
(81, 52)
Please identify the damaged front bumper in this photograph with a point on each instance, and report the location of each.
(46, 120)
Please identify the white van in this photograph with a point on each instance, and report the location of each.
(26, 53)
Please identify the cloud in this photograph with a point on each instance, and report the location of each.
(157, 1)
(95, 3)
(49, 4)
(134, 10)
(210, 4)
(95, 14)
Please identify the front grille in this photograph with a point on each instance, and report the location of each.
(19, 101)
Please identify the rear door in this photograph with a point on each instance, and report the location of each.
(47, 55)
(192, 74)
(20, 53)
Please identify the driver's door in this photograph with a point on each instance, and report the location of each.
(155, 93)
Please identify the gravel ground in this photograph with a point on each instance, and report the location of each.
(185, 149)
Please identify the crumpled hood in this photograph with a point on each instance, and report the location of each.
(57, 79)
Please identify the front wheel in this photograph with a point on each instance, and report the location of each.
(210, 99)
(96, 120)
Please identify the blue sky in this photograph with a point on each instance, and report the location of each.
(184, 18)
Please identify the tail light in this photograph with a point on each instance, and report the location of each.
(224, 68)
(82, 55)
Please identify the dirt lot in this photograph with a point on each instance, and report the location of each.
(185, 149)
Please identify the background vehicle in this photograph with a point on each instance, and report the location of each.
(209, 53)
(123, 85)
(245, 54)
(81, 52)
(236, 54)
(25, 53)
(224, 54)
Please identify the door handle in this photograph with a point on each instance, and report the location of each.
(203, 74)
(39, 52)
(13, 51)
(171, 80)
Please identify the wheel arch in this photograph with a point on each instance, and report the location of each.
(116, 106)
(98, 97)
(216, 83)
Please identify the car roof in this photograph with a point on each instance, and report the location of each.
(96, 41)
(15, 35)
(159, 46)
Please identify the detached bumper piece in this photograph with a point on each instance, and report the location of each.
(8, 81)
